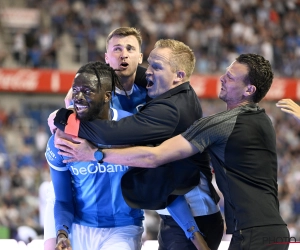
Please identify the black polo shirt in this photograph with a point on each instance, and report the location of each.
(242, 146)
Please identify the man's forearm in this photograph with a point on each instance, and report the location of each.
(143, 157)
(170, 150)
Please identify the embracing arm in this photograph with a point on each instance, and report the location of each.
(153, 124)
(173, 149)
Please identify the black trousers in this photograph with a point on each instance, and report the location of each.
(272, 237)
(172, 237)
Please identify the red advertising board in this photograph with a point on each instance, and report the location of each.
(55, 81)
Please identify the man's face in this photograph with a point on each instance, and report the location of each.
(159, 73)
(88, 99)
(233, 87)
(123, 53)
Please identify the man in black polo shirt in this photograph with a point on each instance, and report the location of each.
(242, 144)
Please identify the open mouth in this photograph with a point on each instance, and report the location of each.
(80, 108)
(124, 65)
(149, 84)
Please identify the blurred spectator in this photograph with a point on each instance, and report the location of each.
(43, 201)
(214, 29)
(26, 234)
(19, 48)
(40, 141)
(3, 117)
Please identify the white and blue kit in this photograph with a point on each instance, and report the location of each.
(89, 193)
(135, 98)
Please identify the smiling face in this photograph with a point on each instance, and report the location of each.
(123, 53)
(90, 101)
(234, 91)
(160, 75)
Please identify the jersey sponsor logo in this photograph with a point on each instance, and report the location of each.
(98, 168)
(138, 107)
(50, 155)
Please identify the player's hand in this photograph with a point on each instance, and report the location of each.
(51, 125)
(68, 98)
(290, 107)
(76, 149)
(63, 244)
(199, 242)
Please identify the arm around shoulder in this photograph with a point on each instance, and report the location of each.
(170, 150)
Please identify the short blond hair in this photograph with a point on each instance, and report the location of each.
(123, 32)
(182, 57)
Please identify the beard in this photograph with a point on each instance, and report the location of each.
(91, 114)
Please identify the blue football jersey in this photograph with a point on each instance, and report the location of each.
(89, 193)
(134, 100)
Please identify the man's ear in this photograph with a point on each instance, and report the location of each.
(106, 59)
(141, 58)
(107, 96)
(250, 90)
(180, 75)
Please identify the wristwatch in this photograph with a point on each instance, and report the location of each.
(99, 155)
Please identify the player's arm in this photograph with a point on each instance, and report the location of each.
(173, 149)
(61, 178)
(63, 207)
(181, 213)
(154, 123)
(68, 98)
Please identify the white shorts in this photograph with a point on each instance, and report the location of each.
(121, 238)
(115, 238)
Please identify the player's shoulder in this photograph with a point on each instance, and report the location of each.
(51, 153)
(51, 141)
(138, 88)
(118, 114)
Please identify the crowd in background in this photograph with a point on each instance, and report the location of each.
(216, 30)
(24, 171)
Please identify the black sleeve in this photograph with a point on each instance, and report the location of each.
(140, 77)
(152, 125)
(61, 118)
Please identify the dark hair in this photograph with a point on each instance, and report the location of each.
(260, 74)
(101, 69)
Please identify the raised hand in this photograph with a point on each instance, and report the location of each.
(290, 107)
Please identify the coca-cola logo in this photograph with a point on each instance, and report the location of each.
(20, 80)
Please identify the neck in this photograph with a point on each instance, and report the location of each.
(127, 82)
(235, 105)
(105, 113)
